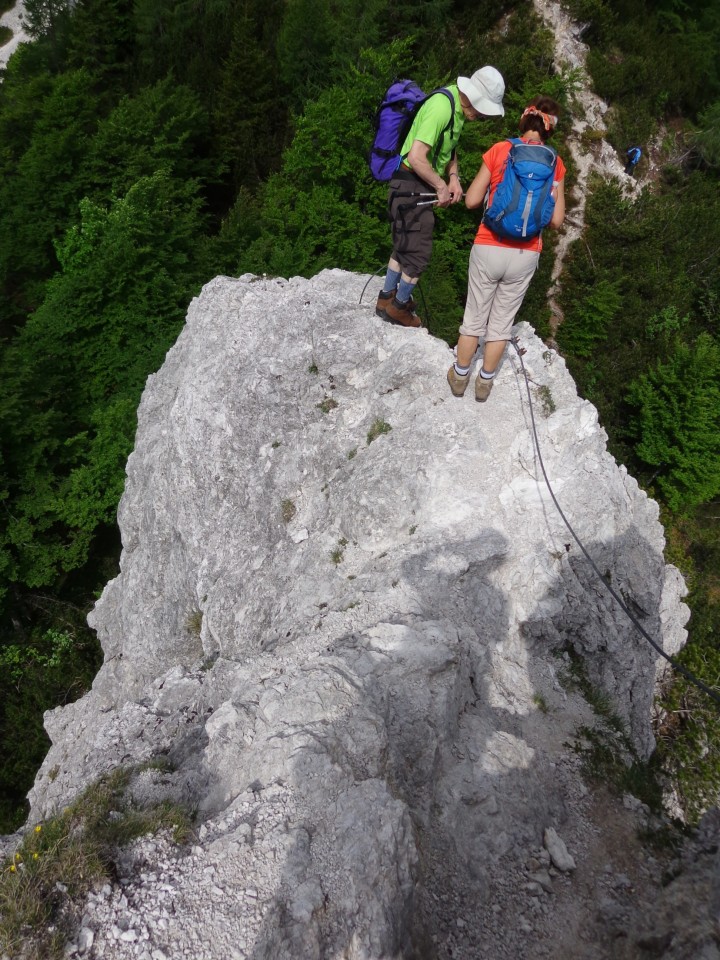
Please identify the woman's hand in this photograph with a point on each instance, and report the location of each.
(455, 187)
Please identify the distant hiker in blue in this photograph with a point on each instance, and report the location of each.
(633, 155)
(426, 156)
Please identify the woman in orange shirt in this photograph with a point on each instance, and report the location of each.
(500, 268)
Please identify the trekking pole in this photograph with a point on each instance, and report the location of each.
(413, 193)
(410, 193)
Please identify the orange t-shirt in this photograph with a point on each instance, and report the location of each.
(495, 161)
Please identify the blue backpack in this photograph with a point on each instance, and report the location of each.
(393, 120)
(523, 203)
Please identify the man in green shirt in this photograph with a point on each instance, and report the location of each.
(427, 155)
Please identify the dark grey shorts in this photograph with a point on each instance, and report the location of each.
(412, 225)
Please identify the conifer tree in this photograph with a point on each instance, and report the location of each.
(249, 117)
(678, 422)
(38, 196)
(41, 17)
(305, 49)
(102, 39)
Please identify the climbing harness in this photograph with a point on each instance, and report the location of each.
(633, 619)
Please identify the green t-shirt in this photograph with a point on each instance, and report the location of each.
(432, 118)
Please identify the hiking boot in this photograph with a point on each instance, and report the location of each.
(385, 299)
(383, 302)
(482, 388)
(457, 383)
(402, 313)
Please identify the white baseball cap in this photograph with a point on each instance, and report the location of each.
(485, 90)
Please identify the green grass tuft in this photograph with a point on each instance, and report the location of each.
(541, 703)
(547, 400)
(378, 427)
(328, 404)
(194, 621)
(61, 860)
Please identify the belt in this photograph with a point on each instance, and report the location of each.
(405, 173)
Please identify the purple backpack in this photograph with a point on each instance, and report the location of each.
(393, 120)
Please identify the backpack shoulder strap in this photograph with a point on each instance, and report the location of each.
(450, 97)
(450, 125)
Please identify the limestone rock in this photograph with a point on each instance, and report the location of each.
(558, 851)
(348, 691)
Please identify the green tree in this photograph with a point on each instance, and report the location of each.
(250, 122)
(101, 38)
(321, 210)
(162, 127)
(46, 185)
(22, 93)
(305, 49)
(707, 136)
(593, 318)
(73, 378)
(41, 17)
(678, 423)
(188, 39)
(52, 666)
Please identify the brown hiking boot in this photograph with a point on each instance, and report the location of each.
(383, 301)
(402, 313)
(457, 383)
(482, 388)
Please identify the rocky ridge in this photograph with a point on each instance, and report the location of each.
(347, 618)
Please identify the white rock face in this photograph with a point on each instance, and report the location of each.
(356, 713)
(13, 19)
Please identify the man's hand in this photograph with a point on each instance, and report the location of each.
(420, 165)
(445, 195)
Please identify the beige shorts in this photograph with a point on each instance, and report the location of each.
(498, 278)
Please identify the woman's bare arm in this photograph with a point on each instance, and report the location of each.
(475, 193)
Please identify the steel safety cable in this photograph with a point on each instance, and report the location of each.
(613, 593)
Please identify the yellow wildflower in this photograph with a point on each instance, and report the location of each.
(38, 828)
(35, 856)
(12, 868)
